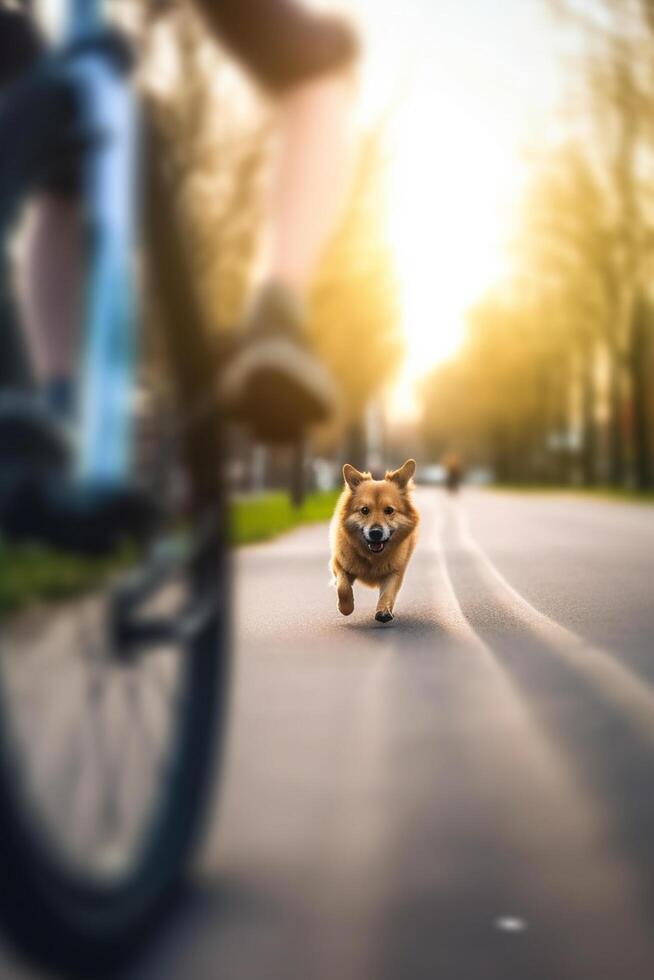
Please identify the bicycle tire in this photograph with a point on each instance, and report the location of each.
(57, 915)
(61, 918)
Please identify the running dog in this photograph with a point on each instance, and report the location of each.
(373, 533)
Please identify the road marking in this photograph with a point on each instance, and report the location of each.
(615, 683)
(556, 826)
(511, 923)
(456, 621)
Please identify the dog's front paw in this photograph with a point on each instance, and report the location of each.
(383, 616)
(346, 605)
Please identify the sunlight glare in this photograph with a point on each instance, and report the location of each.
(447, 213)
(480, 91)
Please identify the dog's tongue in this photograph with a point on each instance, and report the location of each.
(376, 546)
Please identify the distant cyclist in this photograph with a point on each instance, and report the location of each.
(453, 471)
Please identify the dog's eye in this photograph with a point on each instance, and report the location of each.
(365, 510)
(388, 510)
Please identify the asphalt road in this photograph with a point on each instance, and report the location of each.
(463, 794)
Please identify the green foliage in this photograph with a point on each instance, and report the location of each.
(495, 402)
(29, 572)
(260, 518)
(214, 131)
(354, 303)
(554, 382)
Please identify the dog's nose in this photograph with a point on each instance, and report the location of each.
(376, 533)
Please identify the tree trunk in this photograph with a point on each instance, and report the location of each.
(616, 442)
(184, 332)
(298, 475)
(356, 443)
(588, 432)
(638, 369)
(501, 458)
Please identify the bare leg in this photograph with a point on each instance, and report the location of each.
(276, 384)
(51, 287)
(388, 590)
(344, 583)
(311, 178)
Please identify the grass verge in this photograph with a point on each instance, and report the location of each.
(29, 572)
(259, 518)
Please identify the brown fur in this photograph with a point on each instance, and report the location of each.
(352, 557)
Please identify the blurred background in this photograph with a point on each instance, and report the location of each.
(467, 793)
(491, 270)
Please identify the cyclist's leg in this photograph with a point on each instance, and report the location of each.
(281, 42)
(50, 294)
(34, 122)
(36, 110)
(19, 47)
(311, 178)
(306, 59)
(38, 500)
(276, 383)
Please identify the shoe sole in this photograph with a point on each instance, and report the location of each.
(278, 389)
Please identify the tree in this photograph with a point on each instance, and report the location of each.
(354, 302)
(564, 359)
(617, 86)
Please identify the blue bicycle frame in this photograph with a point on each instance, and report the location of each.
(109, 115)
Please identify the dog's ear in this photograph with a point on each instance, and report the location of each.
(352, 476)
(402, 476)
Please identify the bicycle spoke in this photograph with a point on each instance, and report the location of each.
(160, 683)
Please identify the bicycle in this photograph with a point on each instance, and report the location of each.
(86, 863)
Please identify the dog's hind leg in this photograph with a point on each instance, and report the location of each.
(344, 582)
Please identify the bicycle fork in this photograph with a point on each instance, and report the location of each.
(109, 112)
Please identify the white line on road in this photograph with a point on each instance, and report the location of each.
(556, 826)
(615, 682)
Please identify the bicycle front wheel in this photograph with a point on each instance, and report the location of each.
(111, 708)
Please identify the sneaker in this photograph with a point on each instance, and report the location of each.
(274, 382)
(31, 437)
(39, 500)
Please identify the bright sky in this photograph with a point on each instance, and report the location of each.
(479, 80)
